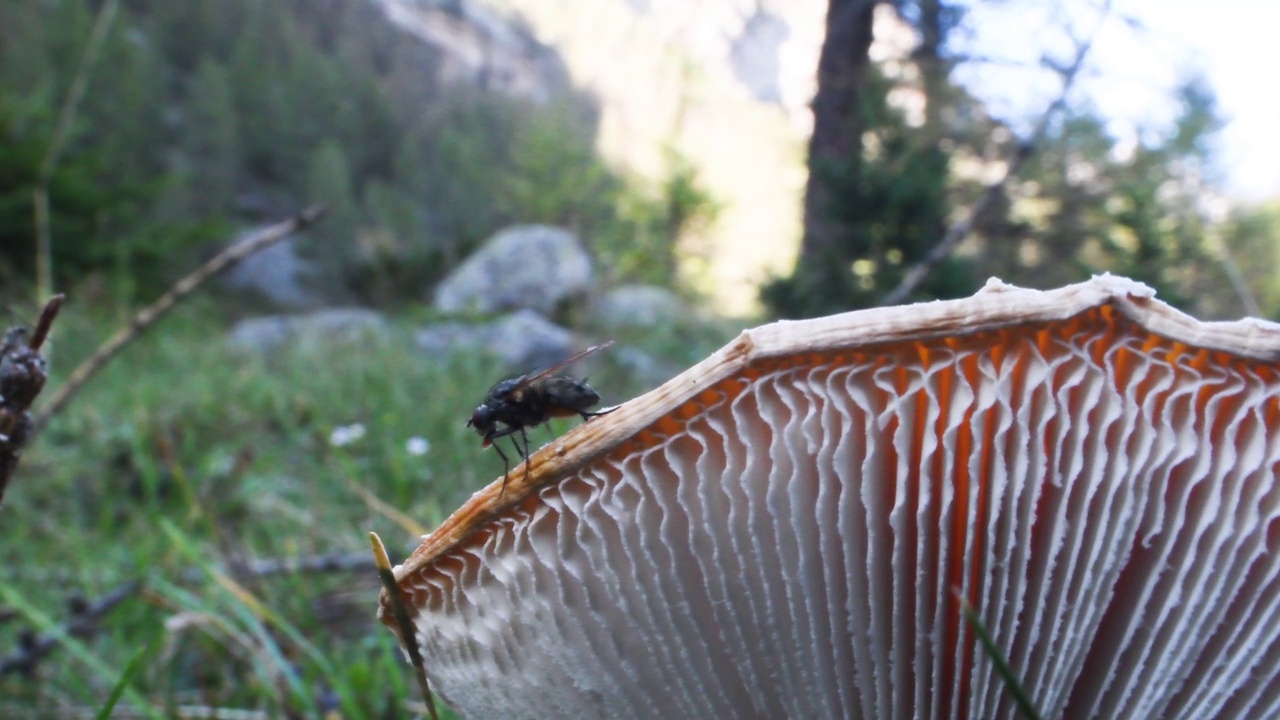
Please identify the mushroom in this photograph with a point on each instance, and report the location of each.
(778, 532)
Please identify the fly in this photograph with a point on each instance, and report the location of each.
(529, 400)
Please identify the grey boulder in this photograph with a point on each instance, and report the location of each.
(531, 267)
(521, 341)
(310, 332)
(639, 306)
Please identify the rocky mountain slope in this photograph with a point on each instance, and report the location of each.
(722, 84)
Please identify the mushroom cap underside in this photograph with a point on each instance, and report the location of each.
(782, 529)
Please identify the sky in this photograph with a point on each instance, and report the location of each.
(1135, 65)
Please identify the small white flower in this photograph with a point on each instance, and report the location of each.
(417, 445)
(346, 434)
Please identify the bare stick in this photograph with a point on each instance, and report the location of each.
(81, 624)
(408, 635)
(149, 315)
(1238, 282)
(254, 568)
(45, 323)
(308, 565)
(961, 229)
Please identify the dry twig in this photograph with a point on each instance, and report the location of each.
(83, 621)
(174, 712)
(323, 564)
(408, 636)
(148, 316)
(307, 565)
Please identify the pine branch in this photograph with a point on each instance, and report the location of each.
(1026, 148)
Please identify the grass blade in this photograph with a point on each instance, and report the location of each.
(72, 645)
(125, 678)
(1011, 681)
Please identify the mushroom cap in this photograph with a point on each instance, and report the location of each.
(777, 532)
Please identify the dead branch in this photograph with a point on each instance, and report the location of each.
(1026, 148)
(309, 565)
(1236, 278)
(23, 372)
(82, 623)
(175, 712)
(336, 562)
(148, 316)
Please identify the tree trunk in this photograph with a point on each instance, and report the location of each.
(934, 71)
(837, 128)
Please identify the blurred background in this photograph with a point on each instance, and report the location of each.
(506, 182)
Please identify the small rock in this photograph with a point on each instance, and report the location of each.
(526, 266)
(524, 340)
(275, 273)
(638, 306)
(315, 331)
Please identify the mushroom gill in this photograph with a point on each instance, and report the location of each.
(778, 531)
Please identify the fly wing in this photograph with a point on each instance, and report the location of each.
(566, 396)
(524, 381)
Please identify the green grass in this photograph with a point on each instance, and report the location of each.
(182, 460)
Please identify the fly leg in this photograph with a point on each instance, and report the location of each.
(523, 452)
(489, 438)
(524, 436)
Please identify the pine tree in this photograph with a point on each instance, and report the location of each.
(212, 140)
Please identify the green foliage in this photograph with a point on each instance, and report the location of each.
(104, 189)
(554, 172)
(97, 225)
(1251, 240)
(214, 154)
(199, 114)
(1096, 206)
(478, 162)
(660, 223)
(184, 461)
(891, 210)
(1084, 203)
(329, 182)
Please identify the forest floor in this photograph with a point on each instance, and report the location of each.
(237, 492)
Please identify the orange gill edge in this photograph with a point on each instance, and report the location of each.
(1109, 325)
(1009, 344)
(473, 523)
(479, 517)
